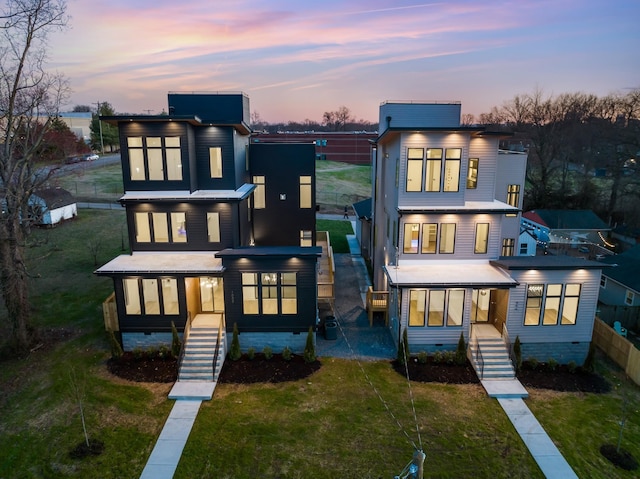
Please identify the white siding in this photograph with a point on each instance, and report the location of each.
(486, 150)
(420, 115)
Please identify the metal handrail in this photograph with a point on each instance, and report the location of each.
(507, 342)
(216, 353)
(185, 336)
(475, 349)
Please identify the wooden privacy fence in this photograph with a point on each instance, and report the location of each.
(620, 349)
(629, 316)
(110, 313)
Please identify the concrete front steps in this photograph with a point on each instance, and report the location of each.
(200, 348)
(496, 361)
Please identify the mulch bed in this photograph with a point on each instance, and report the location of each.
(622, 458)
(431, 372)
(263, 370)
(563, 379)
(151, 369)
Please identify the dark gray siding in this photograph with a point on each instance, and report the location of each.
(305, 268)
(212, 136)
(215, 108)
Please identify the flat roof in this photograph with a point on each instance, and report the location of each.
(161, 262)
(290, 251)
(546, 262)
(179, 195)
(468, 207)
(449, 274)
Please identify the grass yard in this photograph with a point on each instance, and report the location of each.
(338, 231)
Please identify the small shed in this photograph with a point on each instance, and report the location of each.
(363, 226)
(50, 206)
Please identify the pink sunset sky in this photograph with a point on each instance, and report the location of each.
(298, 59)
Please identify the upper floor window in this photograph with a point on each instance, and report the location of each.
(447, 238)
(154, 158)
(429, 237)
(306, 238)
(213, 227)
(482, 238)
(215, 161)
(452, 159)
(434, 167)
(508, 245)
(472, 174)
(161, 227)
(259, 200)
(305, 192)
(513, 195)
(411, 237)
(414, 169)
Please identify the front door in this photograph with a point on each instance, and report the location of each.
(481, 306)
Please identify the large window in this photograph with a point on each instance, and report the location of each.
(305, 192)
(154, 158)
(513, 195)
(452, 160)
(151, 296)
(213, 227)
(482, 238)
(411, 237)
(472, 174)
(160, 227)
(429, 238)
(259, 201)
(211, 294)
(414, 169)
(215, 162)
(551, 304)
(447, 238)
(269, 293)
(436, 307)
(434, 166)
(417, 302)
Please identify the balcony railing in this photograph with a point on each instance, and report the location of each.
(326, 269)
(377, 301)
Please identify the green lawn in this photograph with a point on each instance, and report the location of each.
(332, 424)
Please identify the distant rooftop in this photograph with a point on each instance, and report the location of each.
(420, 102)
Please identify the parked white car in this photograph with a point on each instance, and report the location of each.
(90, 157)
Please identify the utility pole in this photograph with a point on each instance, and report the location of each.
(100, 126)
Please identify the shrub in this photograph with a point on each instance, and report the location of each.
(461, 351)
(517, 352)
(116, 349)
(176, 344)
(552, 364)
(138, 353)
(403, 348)
(235, 352)
(310, 347)
(423, 357)
(287, 354)
(164, 352)
(533, 363)
(438, 357)
(590, 359)
(268, 352)
(251, 353)
(450, 357)
(572, 366)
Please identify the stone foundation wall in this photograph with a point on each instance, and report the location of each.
(131, 341)
(276, 341)
(563, 353)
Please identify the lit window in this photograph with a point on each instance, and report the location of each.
(534, 304)
(259, 192)
(143, 231)
(513, 195)
(455, 307)
(160, 227)
(289, 292)
(170, 295)
(417, 301)
(213, 227)
(215, 161)
(472, 174)
(508, 245)
(269, 293)
(306, 238)
(447, 238)
(136, 164)
(414, 169)
(162, 162)
(482, 238)
(131, 296)
(154, 159)
(211, 294)
(434, 165)
(552, 304)
(411, 237)
(305, 192)
(150, 295)
(429, 237)
(174, 158)
(570, 305)
(452, 169)
(250, 293)
(436, 308)
(178, 227)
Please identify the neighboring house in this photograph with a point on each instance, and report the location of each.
(220, 230)
(620, 283)
(50, 206)
(363, 226)
(528, 243)
(446, 226)
(626, 236)
(566, 227)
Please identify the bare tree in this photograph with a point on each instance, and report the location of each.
(29, 100)
(337, 120)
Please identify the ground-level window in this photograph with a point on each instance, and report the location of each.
(269, 293)
(570, 305)
(552, 304)
(508, 245)
(436, 307)
(211, 294)
(534, 304)
(151, 296)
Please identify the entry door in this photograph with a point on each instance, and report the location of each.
(211, 295)
(481, 306)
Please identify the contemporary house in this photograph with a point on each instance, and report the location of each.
(221, 231)
(620, 283)
(446, 226)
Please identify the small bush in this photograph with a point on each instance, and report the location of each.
(517, 352)
(552, 364)
(138, 353)
(251, 353)
(287, 354)
(461, 351)
(176, 344)
(164, 352)
(438, 357)
(450, 357)
(116, 348)
(310, 347)
(572, 366)
(533, 363)
(423, 357)
(235, 352)
(268, 352)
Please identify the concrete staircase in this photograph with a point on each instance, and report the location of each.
(200, 348)
(495, 363)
